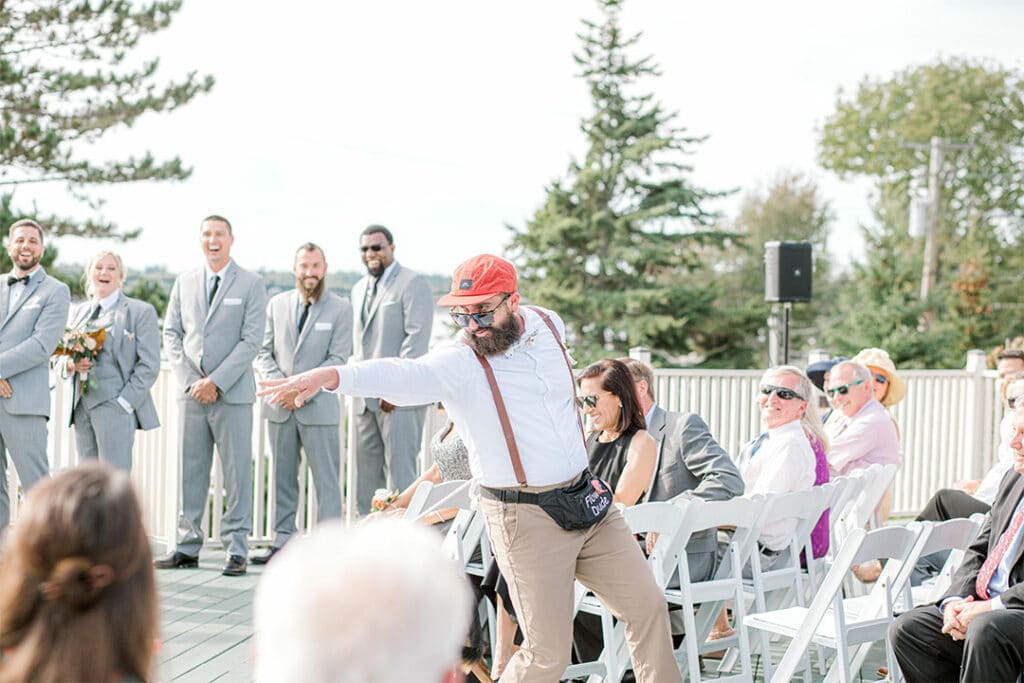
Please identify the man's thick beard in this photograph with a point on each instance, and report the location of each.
(315, 294)
(499, 340)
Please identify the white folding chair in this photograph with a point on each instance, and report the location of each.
(665, 520)
(955, 535)
(839, 624)
(783, 584)
(746, 516)
(428, 494)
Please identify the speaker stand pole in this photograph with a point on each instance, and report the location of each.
(787, 309)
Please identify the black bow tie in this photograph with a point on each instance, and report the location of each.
(11, 280)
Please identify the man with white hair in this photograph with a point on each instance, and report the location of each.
(864, 434)
(379, 602)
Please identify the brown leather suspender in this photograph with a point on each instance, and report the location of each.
(499, 402)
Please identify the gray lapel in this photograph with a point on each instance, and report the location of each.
(30, 289)
(314, 313)
(382, 289)
(4, 296)
(291, 314)
(118, 330)
(225, 284)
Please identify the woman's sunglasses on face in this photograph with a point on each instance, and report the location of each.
(881, 379)
(842, 389)
(782, 392)
(589, 400)
(482, 319)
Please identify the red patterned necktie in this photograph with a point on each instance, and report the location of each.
(997, 554)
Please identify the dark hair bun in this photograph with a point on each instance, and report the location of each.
(76, 582)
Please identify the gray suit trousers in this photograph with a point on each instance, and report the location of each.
(229, 426)
(322, 446)
(105, 431)
(24, 438)
(386, 448)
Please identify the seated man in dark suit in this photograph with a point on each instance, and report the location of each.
(976, 633)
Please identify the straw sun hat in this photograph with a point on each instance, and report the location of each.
(878, 359)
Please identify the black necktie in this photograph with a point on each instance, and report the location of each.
(11, 280)
(305, 314)
(371, 292)
(213, 289)
(95, 312)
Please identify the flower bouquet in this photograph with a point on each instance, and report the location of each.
(77, 344)
(382, 499)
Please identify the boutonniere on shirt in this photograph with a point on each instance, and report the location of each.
(130, 335)
(526, 339)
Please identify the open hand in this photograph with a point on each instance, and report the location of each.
(298, 389)
(5, 389)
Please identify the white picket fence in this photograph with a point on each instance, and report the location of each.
(948, 422)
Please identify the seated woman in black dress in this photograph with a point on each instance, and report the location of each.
(619, 449)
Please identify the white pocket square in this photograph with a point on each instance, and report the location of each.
(30, 304)
(322, 326)
(232, 302)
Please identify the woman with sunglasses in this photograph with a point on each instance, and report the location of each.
(619, 449)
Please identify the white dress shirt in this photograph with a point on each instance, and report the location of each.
(209, 277)
(986, 491)
(15, 291)
(535, 384)
(783, 463)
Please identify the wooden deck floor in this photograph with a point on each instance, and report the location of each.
(206, 626)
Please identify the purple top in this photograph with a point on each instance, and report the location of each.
(819, 535)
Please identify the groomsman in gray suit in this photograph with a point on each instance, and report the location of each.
(118, 401)
(212, 332)
(393, 319)
(33, 310)
(307, 327)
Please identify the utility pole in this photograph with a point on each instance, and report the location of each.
(937, 147)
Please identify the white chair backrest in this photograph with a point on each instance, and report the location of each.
(664, 519)
(955, 535)
(876, 483)
(429, 497)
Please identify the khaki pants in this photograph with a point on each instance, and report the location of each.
(539, 560)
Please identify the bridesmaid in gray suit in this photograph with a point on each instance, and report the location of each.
(117, 400)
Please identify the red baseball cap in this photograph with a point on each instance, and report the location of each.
(480, 278)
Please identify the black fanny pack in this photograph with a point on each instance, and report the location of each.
(579, 506)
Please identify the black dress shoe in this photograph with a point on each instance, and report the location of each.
(235, 566)
(265, 557)
(177, 560)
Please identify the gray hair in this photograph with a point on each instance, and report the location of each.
(860, 371)
(377, 602)
(87, 281)
(811, 421)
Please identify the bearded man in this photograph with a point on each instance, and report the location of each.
(523, 348)
(307, 327)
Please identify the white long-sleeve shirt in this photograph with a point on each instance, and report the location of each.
(535, 384)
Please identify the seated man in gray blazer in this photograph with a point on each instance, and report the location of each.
(212, 332)
(33, 310)
(690, 463)
(307, 327)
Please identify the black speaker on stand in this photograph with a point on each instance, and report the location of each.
(788, 270)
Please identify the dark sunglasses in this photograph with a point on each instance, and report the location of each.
(881, 379)
(1013, 401)
(782, 392)
(371, 247)
(842, 389)
(482, 319)
(590, 400)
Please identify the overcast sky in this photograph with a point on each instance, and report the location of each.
(445, 120)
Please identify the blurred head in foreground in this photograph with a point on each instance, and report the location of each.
(77, 591)
(379, 602)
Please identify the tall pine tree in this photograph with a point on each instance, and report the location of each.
(609, 245)
(69, 76)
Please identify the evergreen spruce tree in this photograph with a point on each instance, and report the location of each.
(610, 245)
(69, 76)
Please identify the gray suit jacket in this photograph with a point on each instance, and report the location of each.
(218, 341)
(692, 464)
(29, 333)
(398, 323)
(133, 344)
(326, 340)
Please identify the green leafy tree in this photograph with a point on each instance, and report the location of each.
(149, 290)
(608, 247)
(67, 80)
(790, 208)
(981, 223)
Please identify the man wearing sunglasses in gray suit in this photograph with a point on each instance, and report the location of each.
(33, 310)
(393, 311)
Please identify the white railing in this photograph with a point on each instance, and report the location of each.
(949, 428)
